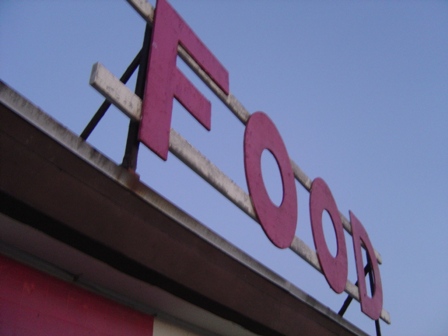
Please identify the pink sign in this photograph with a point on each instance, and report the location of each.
(165, 82)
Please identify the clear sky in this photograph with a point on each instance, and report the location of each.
(357, 89)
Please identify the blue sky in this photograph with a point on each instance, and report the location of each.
(358, 91)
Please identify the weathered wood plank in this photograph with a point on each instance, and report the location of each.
(209, 172)
(144, 8)
(299, 247)
(304, 180)
(115, 91)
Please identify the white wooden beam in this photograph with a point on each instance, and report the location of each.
(300, 176)
(115, 91)
(194, 159)
(144, 8)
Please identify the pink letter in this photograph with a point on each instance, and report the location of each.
(164, 80)
(371, 306)
(278, 223)
(334, 269)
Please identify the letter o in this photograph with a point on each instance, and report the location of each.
(335, 269)
(278, 223)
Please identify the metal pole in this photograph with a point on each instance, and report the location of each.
(349, 299)
(132, 143)
(377, 322)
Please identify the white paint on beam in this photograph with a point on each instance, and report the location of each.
(209, 172)
(299, 247)
(385, 316)
(304, 180)
(115, 91)
(144, 8)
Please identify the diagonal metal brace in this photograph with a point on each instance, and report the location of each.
(106, 104)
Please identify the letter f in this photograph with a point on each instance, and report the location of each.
(164, 81)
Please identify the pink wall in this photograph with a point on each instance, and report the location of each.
(34, 303)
